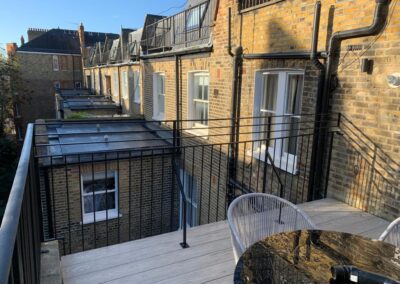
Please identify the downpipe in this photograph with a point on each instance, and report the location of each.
(322, 106)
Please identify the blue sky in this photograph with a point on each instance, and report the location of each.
(16, 16)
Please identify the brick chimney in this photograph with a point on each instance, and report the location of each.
(34, 33)
(81, 32)
(11, 49)
(22, 40)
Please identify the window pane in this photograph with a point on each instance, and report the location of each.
(270, 92)
(98, 185)
(295, 83)
(292, 125)
(267, 128)
(161, 103)
(201, 112)
(102, 201)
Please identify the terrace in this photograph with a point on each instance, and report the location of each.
(173, 194)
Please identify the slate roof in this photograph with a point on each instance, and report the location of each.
(63, 41)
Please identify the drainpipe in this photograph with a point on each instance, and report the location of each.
(378, 24)
(235, 117)
(318, 112)
(230, 33)
(178, 115)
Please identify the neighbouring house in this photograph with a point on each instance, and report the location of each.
(81, 103)
(104, 181)
(112, 68)
(50, 59)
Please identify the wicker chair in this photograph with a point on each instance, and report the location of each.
(254, 216)
(392, 233)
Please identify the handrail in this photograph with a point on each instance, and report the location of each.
(10, 223)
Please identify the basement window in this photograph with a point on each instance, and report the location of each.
(277, 109)
(99, 196)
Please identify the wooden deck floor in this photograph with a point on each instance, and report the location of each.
(209, 259)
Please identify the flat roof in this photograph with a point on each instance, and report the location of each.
(74, 138)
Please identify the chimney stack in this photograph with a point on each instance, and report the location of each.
(11, 49)
(22, 40)
(81, 33)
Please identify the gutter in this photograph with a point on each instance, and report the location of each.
(178, 52)
(283, 55)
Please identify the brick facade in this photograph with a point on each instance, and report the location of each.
(38, 73)
(148, 202)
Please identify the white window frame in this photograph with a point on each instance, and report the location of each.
(136, 88)
(115, 84)
(157, 114)
(125, 85)
(197, 128)
(56, 65)
(186, 177)
(98, 216)
(287, 162)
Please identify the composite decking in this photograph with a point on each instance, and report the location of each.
(209, 259)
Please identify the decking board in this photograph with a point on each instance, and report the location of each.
(209, 259)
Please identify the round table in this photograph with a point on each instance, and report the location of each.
(307, 257)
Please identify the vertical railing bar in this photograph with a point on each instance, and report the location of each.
(118, 201)
(201, 182)
(130, 195)
(94, 205)
(68, 205)
(141, 194)
(219, 177)
(162, 191)
(209, 189)
(191, 195)
(305, 173)
(151, 191)
(243, 163)
(106, 187)
(251, 166)
(294, 169)
(53, 197)
(81, 200)
(183, 166)
(305, 168)
(328, 170)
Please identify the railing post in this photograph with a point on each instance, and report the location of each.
(185, 28)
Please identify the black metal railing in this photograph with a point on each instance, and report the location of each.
(21, 225)
(188, 28)
(176, 176)
(245, 5)
(362, 174)
(149, 178)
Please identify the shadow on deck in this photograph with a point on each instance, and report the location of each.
(209, 259)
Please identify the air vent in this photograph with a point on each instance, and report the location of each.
(354, 47)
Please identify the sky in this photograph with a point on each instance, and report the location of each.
(16, 16)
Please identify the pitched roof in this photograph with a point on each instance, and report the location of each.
(63, 41)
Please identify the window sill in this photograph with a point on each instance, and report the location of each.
(158, 117)
(200, 132)
(101, 216)
(283, 164)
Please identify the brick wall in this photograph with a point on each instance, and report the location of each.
(147, 202)
(38, 75)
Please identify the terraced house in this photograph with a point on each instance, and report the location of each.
(297, 99)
